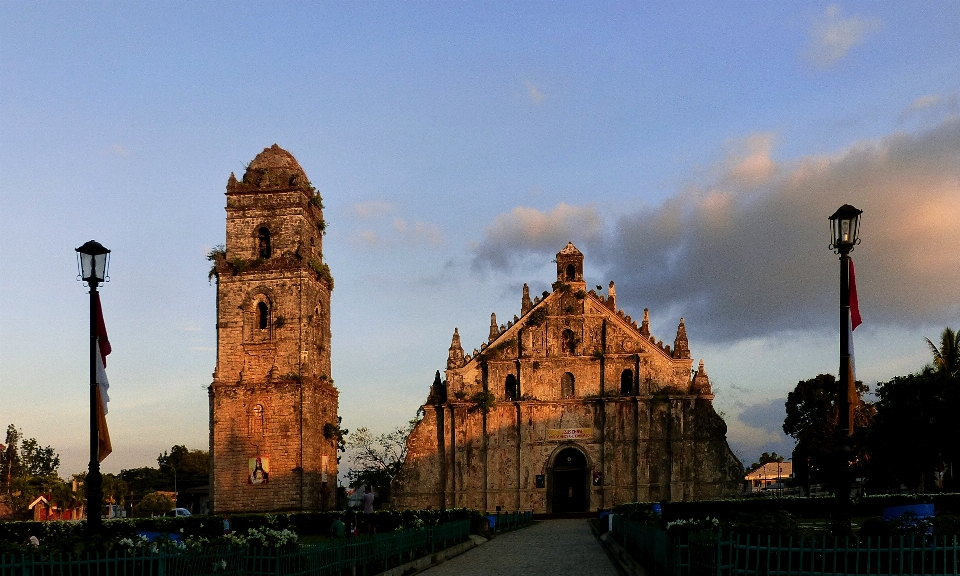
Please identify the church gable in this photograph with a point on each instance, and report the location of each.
(569, 343)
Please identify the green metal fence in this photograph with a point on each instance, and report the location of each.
(728, 554)
(361, 556)
(503, 521)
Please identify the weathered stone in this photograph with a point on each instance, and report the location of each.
(272, 396)
(576, 394)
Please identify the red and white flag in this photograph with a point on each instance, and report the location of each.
(853, 320)
(104, 448)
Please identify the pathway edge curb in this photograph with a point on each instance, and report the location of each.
(421, 564)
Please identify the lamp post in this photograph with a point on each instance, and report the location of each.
(844, 228)
(93, 261)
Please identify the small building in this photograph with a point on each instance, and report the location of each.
(571, 406)
(771, 474)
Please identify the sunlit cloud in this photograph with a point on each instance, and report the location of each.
(372, 209)
(366, 238)
(833, 36)
(524, 231)
(764, 251)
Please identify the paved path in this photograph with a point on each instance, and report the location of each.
(548, 548)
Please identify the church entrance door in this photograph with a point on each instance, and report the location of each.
(569, 482)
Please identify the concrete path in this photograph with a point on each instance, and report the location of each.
(548, 548)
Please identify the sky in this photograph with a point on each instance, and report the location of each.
(692, 151)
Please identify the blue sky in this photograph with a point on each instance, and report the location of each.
(693, 153)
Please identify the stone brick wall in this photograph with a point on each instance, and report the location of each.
(272, 393)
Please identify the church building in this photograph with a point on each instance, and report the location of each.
(273, 406)
(570, 406)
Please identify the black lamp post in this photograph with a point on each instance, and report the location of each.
(844, 227)
(93, 260)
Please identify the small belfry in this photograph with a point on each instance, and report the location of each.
(570, 407)
(273, 406)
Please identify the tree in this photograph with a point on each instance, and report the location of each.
(946, 357)
(375, 460)
(913, 438)
(812, 420)
(153, 503)
(765, 458)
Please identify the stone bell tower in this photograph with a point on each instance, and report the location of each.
(273, 407)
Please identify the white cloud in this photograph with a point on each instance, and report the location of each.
(372, 209)
(832, 36)
(524, 231)
(535, 94)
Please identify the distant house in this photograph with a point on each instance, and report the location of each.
(770, 475)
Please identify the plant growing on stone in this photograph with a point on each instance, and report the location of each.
(484, 401)
(537, 317)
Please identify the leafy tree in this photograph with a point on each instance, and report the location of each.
(946, 357)
(375, 460)
(765, 458)
(913, 439)
(192, 466)
(27, 470)
(153, 504)
(812, 420)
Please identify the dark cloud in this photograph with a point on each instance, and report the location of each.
(768, 415)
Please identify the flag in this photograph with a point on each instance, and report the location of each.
(853, 320)
(104, 448)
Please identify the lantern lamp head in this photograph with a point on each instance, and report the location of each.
(844, 228)
(93, 262)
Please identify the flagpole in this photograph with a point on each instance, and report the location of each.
(94, 482)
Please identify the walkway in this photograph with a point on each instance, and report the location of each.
(548, 548)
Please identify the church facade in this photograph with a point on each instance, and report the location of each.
(273, 406)
(571, 406)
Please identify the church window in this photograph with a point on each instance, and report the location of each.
(626, 382)
(571, 272)
(263, 242)
(566, 385)
(256, 421)
(511, 388)
(263, 315)
(569, 342)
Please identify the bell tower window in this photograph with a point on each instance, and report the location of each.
(263, 315)
(569, 342)
(263, 243)
(571, 272)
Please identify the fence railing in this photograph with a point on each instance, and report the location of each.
(503, 521)
(360, 556)
(730, 554)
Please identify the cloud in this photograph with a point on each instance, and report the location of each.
(767, 416)
(832, 36)
(366, 238)
(419, 233)
(526, 231)
(744, 257)
(934, 106)
(372, 209)
(748, 162)
(534, 93)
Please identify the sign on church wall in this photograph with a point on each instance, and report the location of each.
(569, 433)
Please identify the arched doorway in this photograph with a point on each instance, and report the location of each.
(569, 482)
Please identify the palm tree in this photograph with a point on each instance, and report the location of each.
(946, 357)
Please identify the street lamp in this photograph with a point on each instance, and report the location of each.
(93, 261)
(844, 228)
